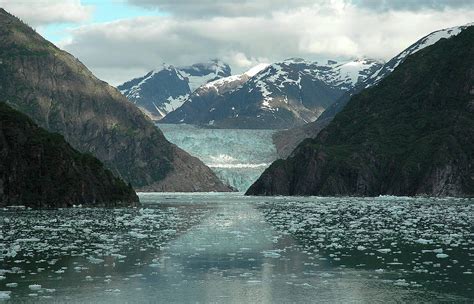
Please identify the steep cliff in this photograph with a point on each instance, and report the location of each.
(412, 134)
(61, 95)
(39, 169)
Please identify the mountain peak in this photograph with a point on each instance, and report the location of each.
(257, 69)
(422, 43)
(165, 89)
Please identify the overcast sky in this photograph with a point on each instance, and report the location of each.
(122, 39)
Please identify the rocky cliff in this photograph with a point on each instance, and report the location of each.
(39, 169)
(412, 134)
(61, 95)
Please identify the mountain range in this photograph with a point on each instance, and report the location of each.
(276, 96)
(167, 88)
(410, 133)
(283, 95)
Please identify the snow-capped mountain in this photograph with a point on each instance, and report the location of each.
(393, 63)
(426, 41)
(276, 96)
(233, 82)
(167, 88)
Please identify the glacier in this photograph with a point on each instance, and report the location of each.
(237, 156)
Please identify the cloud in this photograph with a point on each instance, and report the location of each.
(232, 8)
(120, 50)
(43, 12)
(414, 5)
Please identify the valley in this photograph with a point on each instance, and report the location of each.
(236, 152)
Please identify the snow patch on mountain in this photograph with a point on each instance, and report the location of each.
(134, 91)
(195, 82)
(202, 73)
(173, 103)
(256, 69)
(276, 78)
(216, 84)
(350, 72)
(417, 46)
(235, 81)
(344, 75)
(166, 88)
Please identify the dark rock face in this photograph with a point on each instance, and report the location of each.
(166, 89)
(61, 95)
(155, 90)
(286, 141)
(186, 169)
(412, 134)
(283, 95)
(39, 169)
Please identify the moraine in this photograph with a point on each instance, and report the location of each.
(227, 248)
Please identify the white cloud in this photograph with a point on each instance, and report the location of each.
(240, 61)
(43, 12)
(206, 8)
(120, 50)
(414, 5)
(229, 8)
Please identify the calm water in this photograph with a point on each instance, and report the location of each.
(225, 248)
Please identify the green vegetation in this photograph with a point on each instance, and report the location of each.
(411, 134)
(39, 169)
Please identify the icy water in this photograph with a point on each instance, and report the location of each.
(226, 248)
(237, 156)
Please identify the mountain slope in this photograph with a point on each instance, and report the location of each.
(39, 169)
(422, 43)
(61, 95)
(286, 141)
(412, 134)
(166, 89)
(206, 98)
(282, 95)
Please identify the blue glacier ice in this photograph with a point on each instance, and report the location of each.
(237, 156)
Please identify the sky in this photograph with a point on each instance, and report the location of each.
(122, 39)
